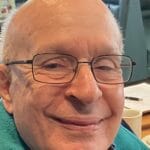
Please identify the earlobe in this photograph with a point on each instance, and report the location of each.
(4, 88)
(7, 104)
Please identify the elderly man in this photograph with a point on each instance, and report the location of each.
(61, 81)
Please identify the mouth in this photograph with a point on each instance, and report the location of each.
(78, 123)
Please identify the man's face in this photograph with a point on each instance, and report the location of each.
(82, 114)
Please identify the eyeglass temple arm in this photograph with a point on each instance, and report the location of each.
(20, 62)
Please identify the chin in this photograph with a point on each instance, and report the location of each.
(79, 146)
(76, 143)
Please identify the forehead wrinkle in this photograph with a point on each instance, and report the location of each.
(59, 14)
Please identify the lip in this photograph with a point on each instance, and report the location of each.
(87, 124)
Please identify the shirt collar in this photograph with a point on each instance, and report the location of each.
(112, 147)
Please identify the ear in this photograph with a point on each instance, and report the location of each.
(4, 88)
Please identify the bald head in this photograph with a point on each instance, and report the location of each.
(40, 40)
(37, 17)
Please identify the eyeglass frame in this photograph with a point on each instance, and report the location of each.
(30, 61)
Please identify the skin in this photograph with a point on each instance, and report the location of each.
(85, 30)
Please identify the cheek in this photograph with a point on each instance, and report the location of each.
(29, 103)
(46, 95)
(114, 95)
(41, 97)
(33, 99)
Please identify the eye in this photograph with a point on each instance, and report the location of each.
(54, 64)
(51, 66)
(104, 68)
(104, 65)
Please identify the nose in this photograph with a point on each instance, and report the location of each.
(84, 87)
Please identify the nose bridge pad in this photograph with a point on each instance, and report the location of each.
(79, 69)
(85, 87)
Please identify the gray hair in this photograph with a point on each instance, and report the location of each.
(4, 29)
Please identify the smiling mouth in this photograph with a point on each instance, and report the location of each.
(79, 124)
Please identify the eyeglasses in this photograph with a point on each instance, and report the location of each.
(55, 68)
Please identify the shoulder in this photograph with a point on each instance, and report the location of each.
(126, 140)
(9, 137)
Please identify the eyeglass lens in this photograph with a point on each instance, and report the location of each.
(61, 68)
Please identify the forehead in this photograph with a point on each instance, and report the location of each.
(78, 42)
(70, 26)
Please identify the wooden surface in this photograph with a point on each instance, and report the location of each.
(146, 124)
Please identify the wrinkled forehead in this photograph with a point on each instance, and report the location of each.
(39, 19)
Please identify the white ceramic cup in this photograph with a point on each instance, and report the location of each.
(134, 119)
